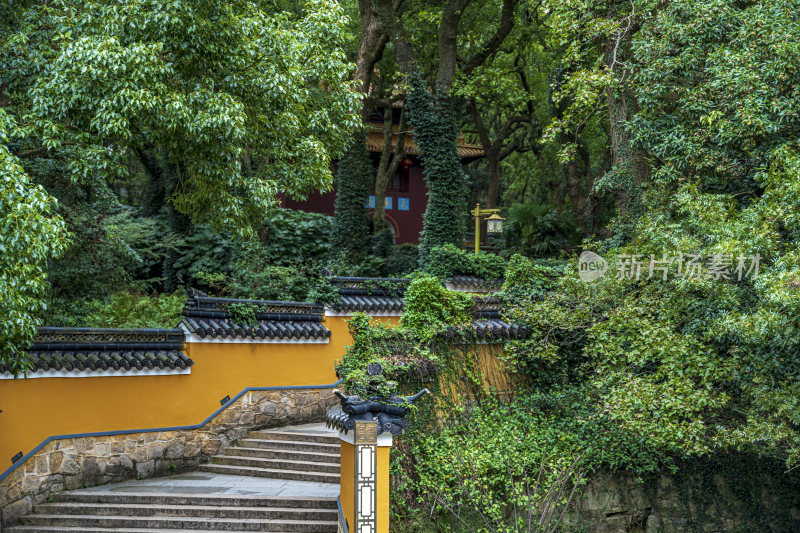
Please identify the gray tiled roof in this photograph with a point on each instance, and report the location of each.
(496, 329)
(473, 284)
(371, 295)
(103, 349)
(208, 317)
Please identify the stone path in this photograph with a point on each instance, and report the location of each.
(221, 484)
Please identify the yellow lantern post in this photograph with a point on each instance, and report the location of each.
(494, 224)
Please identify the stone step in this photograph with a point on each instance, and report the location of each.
(274, 473)
(207, 511)
(176, 522)
(193, 499)
(257, 462)
(313, 447)
(273, 434)
(285, 455)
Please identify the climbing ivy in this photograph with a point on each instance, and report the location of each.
(349, 237)
(431, 308)
(431, 312)
(436, 131)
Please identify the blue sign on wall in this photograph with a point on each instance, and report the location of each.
(370, 203)
(403, 204)
(387, 202)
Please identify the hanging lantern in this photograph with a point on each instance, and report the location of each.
(494, 224)
(407, 162)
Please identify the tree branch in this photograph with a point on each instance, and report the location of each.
(505, 27)
(31, 153)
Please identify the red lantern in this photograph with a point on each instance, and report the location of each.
(406, 163)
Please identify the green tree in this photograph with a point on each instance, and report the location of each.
(239, 100)
(29, 235)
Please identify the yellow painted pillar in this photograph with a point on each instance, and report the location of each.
(364, 483)
(346, 483)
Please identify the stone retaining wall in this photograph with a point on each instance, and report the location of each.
(87, 461)
(737, 494)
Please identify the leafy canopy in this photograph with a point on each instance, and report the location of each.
(29, 234)
(247, 101)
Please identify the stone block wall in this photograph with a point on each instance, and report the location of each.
(88, 461)
(737, 494)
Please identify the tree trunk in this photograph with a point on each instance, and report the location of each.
(493, 193)
(491, 150)
(574, 191)
(382, 177)
(628, 163)
(448, 42)
(393, 28)
(370, 50)
(388, 165)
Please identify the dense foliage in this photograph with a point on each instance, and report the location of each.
(29, 234)
(244, 101)
(661, 135)
(446, 261)
(126, 310)
(164, 130)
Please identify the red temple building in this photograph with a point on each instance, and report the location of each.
(406, 194)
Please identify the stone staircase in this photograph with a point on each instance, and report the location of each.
(281, 455)
(269, 482)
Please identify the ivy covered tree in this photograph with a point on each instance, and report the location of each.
(436, 131)
(350, 223)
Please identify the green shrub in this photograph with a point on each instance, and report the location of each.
(527, 280)
(510, 468)
(447, 261)
(431, 308)
(287, 238)
(291, 236)
(296, 283)
(370, 266)
(131, 310)
(242, 313)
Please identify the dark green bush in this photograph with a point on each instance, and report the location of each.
(291, 236)
(447, 261)
(402, 260)
(537, 230)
